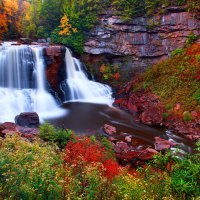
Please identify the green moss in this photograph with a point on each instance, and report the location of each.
(174, 79)
(187, 116)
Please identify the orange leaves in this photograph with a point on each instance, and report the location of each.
(194, 49)
(11, 14)
(66, 27)
(102, 68)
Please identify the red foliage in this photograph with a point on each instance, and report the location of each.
(112, 168)
(197, 77)
(116, 76)
(86, 151)
(194, 49)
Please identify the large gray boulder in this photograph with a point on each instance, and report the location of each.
(27, 119)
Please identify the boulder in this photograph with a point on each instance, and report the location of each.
(133, 155)
(162, 144)
(112, 139)
(26, 130)
(25, 41)
(153, 116)
(128, 138)
(110, 130)
(121, 147)
(42, 40)
(27, 119)
(7, 132)
(9, 126)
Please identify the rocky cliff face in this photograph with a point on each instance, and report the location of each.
(140, 42)
(55, 72)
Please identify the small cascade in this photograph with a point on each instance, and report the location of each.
(77, 86)
(22, 83)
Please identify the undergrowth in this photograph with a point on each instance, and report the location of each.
(177, 79)
(86, 168)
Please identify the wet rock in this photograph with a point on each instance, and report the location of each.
(26, 130)
(9, 126)
(42, 40)
(25, 41)
(27, 119)
(190, 130)
(55, 71)
(152, 116)
(7, 132)
(112, 139)
(53, 50)
(121, 147)
(133, 155)
(128, 138)
(147, 154)
(110, 130)
(162, 144)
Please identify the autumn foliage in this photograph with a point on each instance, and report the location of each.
(66, 27)
(86, 151)
(11, 14)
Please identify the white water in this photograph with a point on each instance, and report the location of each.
(22, 83)
(77, 86)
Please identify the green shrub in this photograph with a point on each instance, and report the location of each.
(186, 176)
(187, 116)
(191, 38)
(177, 51)
(29, 170)
(196, 95)
(60, 137)
(170, 177)
(128, 187)
(165, 115)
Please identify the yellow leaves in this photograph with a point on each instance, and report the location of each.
(66, 27)
(103, 68)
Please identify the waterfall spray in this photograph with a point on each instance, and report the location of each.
(77, 86)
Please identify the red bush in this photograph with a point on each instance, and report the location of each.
(86, 151)
(197, 77)
(116, 76)
(112, 168)
(194, 49)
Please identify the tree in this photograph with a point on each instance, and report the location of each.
(11, 15)
(66, 27)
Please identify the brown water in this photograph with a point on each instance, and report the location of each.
(87, 118)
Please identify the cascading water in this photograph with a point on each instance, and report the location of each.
(22, 83)
(77, 86)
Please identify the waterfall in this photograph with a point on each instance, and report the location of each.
(22, 83)
(77, 86)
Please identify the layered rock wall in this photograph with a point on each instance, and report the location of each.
(140, 42)
(55, 61)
